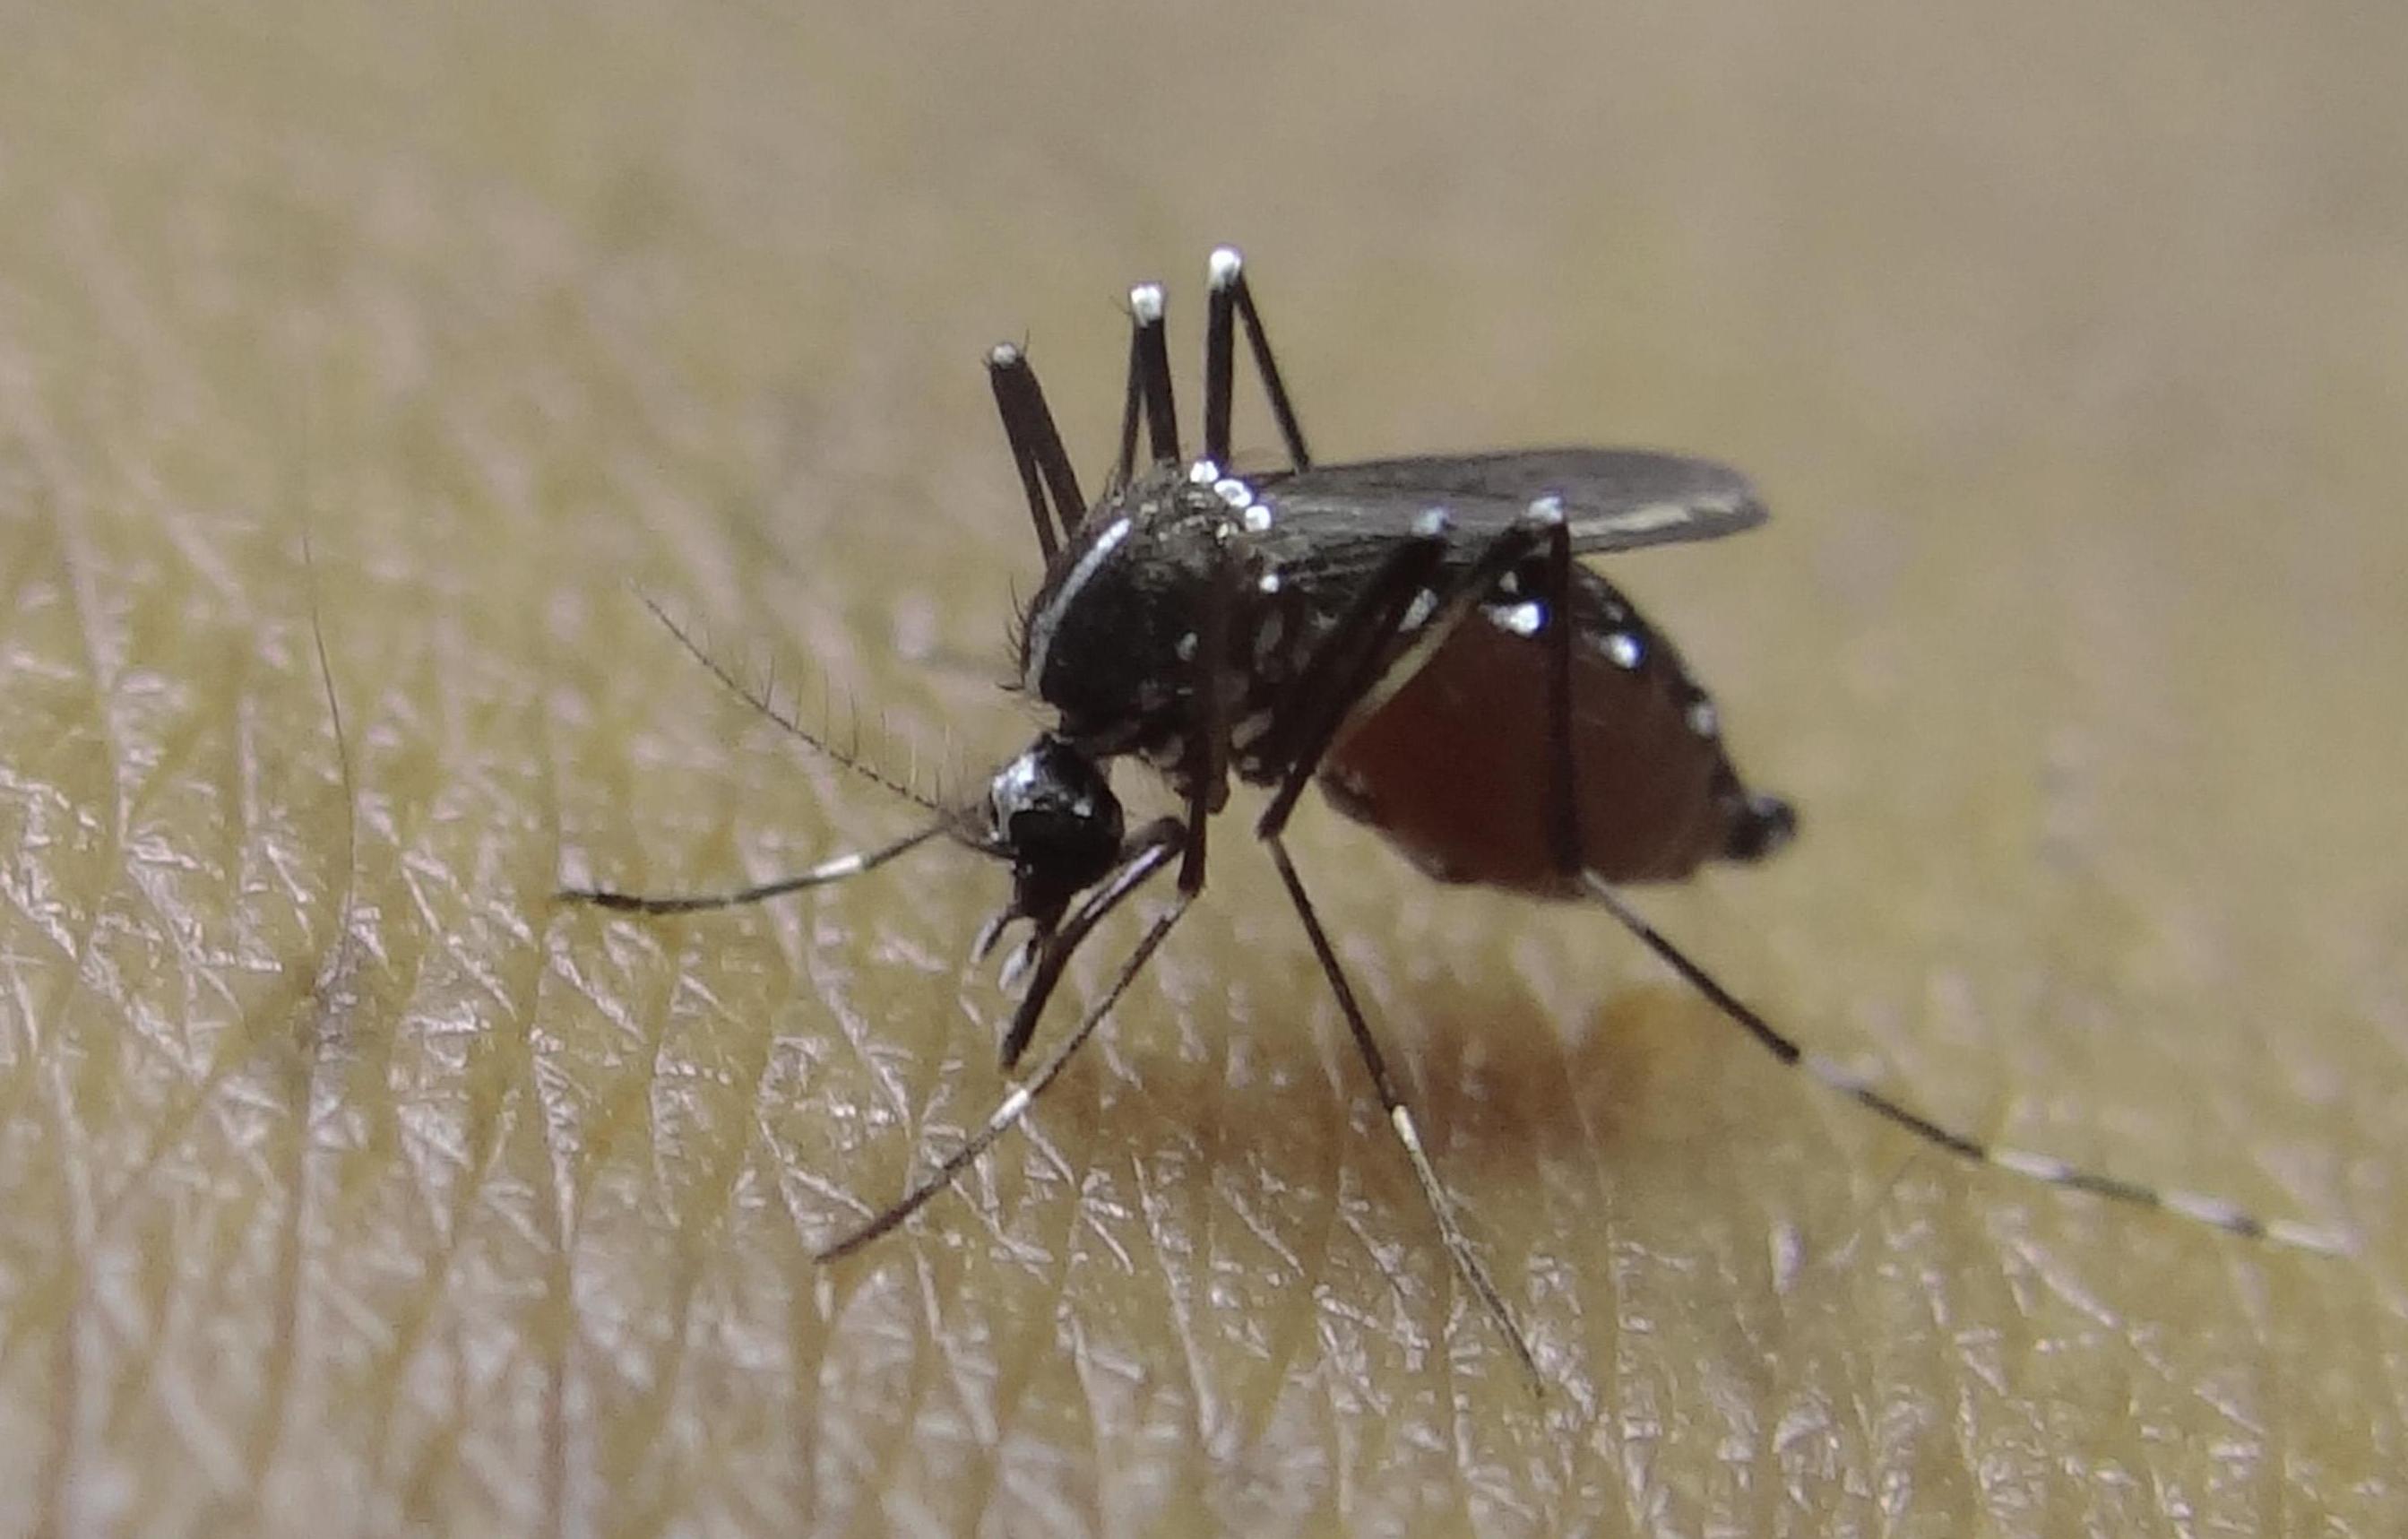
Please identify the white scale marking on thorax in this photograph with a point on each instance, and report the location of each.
(1041, 626)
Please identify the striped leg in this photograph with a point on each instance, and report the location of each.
(2198, 1207)
(1149, 851)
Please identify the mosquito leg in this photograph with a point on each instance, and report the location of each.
(1349, 672)
(1220, 338)
(1563, 769)
(1150, 857)
(1354, 689)
(1401, 1119)
(1207, 767)
(1144, 856)
(1149, 385)
(1333, 682)
(1229, 291)
(818, 875)
(1035, 445)
(1132, 408)
(1336, 674)
(2213, 1210)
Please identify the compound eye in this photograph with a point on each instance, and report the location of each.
(1055, 820)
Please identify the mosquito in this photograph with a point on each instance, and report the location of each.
(1420, 638)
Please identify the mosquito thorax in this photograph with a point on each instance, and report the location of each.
(1111, 637)
(1053, 817)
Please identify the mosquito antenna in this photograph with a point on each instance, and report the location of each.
(2214, 1212)
(849, 759)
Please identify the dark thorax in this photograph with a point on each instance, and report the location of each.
(1111, 639)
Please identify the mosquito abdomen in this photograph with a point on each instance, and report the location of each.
(1452, 766)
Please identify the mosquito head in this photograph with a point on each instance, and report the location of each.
(1053, 817)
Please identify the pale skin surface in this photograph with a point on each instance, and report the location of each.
(346, 1184)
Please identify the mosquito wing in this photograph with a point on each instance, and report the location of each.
(1614, 499)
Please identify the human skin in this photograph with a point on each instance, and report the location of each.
(347, 1182)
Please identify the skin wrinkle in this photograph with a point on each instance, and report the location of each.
(627, 1112)
(1289, 1328)
(1312, 1271)
(1968, 1417)
(1165, 1254)
(330, 1000)
(1863, 1412)
(1199, 1123)
(1599, 1328)
(551, 1205)
(647, 1426)
(56, 1506)
(1095, 1450)
(414, 1331)
(723, 1187)
(1012, 1371)
(1236, 1411)
(67, 1366)
(453, 1233)
(805, 1284)
(502, 1077)
(1095, 1455)
(940, 1369)
(192, 1096)
(2275, 1434)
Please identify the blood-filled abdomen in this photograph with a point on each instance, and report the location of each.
(1452, 762)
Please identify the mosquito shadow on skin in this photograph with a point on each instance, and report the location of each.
(1500, 1077)
(1492, 1077)
(1647, 1117)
